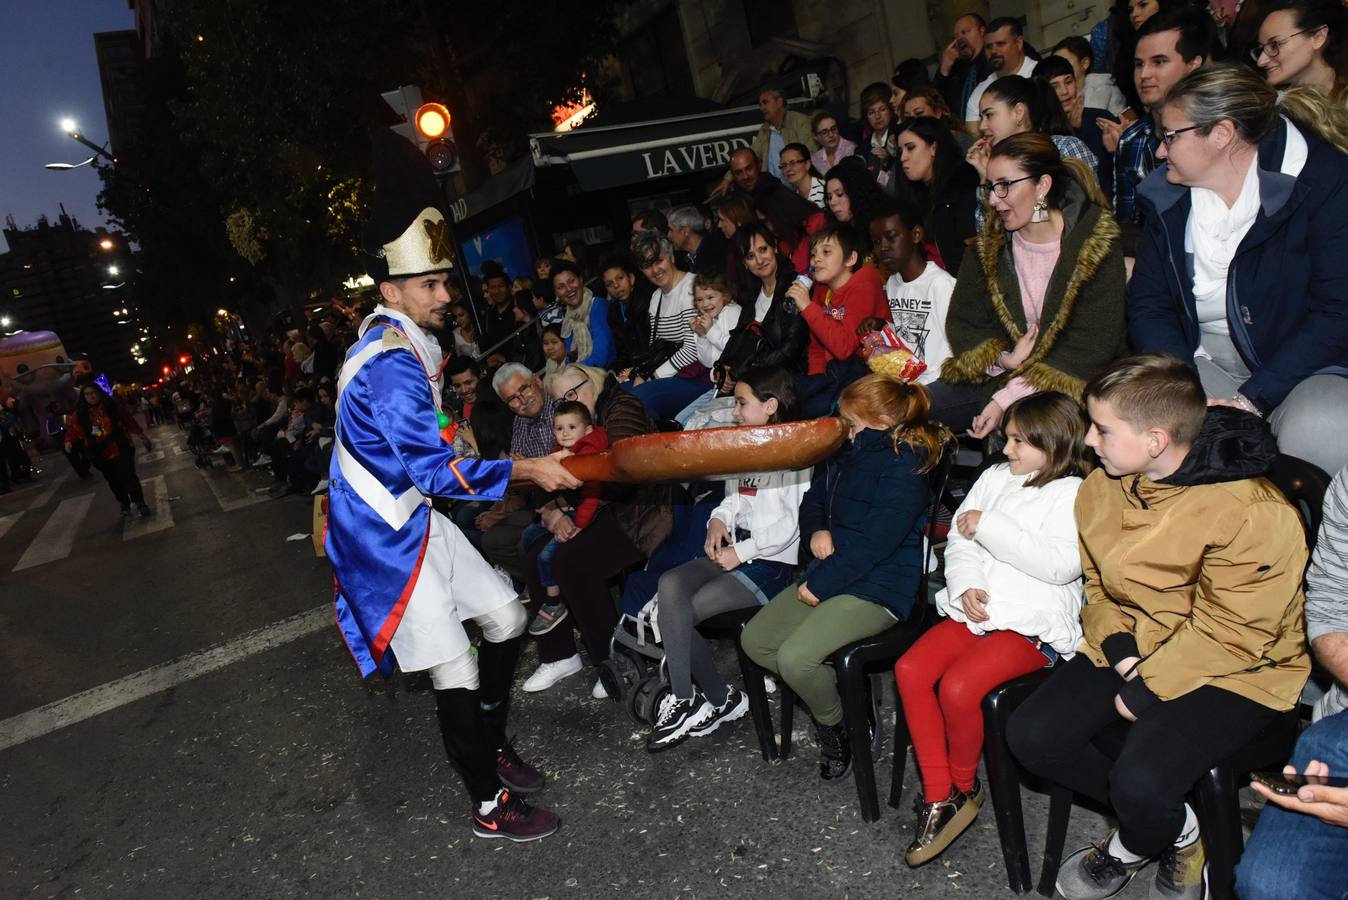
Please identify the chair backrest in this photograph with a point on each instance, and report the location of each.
(1304, 485)
(937, 477)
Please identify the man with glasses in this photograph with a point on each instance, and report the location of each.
(1170, 45)
(502, 526)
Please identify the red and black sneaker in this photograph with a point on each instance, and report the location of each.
(514, 819)
(517, 774)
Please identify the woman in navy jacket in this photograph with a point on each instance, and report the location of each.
(863, 517)
(1243, 267)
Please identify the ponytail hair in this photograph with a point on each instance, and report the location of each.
(906, 407)
(1229, 92)
(1037, 155)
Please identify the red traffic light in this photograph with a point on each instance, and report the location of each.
(167, 370)
(184, 360)
(431, 120)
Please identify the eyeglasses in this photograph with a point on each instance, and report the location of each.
(574, 392)
(1168, 137)
(1001, 188)
(794, 162)
(517, 399)
(825, 132)
(1273, 47)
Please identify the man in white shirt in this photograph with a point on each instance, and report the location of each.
(1004, 44)
(919, 290)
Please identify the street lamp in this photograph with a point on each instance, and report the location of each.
(72, 130)
(66, 167)
(106, 244)
(6, 321)
(114, 271)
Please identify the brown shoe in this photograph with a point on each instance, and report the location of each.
(939, 823)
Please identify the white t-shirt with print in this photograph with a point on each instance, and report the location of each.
(917, 310)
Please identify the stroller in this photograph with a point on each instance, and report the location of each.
(634, 673)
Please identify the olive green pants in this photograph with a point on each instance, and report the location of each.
(794, 640)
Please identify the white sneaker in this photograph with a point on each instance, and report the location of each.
(598, 691)
(548, 674)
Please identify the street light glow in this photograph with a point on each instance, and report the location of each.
(5, 321)
(106, 244)
(222, 312)
(114, 271)
(69, 125)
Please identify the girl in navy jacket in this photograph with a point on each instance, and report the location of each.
(863, 517)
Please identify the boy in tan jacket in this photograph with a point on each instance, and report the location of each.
(1193, 626)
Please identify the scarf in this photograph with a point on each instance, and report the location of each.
(576, 327)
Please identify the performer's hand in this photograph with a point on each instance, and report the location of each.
(821, 544)
(717, 537)
(806, 596)
(967, 523)
(547, 472)
(974, 601)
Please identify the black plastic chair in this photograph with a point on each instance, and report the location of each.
(856, 663)
(1215, 797)
(728, 625)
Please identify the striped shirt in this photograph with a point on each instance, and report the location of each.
(671, 320)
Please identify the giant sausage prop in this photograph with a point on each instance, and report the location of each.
(712, 452)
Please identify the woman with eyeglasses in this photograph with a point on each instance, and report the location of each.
(1242, 269)
(1301, 44)
(799, 175)
(832, 145)
(1039, 302)
(633, 521)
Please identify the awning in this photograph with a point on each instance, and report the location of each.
(612, 155)
(516, 177)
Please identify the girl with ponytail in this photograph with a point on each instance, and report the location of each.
(1017, 105)
(1241, 268)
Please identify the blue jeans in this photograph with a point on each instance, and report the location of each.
(665, 398)
(1291, 855)
(531, 535)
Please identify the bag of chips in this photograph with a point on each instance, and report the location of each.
(886, 353)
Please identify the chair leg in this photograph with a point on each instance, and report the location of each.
(1004, 786)
(1217, 803)
(756, 690)
(902, 741)
(852, 686)
(1059, 815)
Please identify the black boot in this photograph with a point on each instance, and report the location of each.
(496, 671)
(466, 742)
(835, 753)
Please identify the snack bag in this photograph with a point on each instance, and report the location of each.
(886, 353)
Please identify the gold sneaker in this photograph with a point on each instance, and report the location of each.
(1181, 873)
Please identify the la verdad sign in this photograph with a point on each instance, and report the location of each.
(685, 158)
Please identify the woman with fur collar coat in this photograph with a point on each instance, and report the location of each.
(1039, 304)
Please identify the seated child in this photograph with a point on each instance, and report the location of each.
(1193, 633)
(554, 351)
(864, 514)
(575, 430)
(751, 548)
(1012, 601)
(717, 314)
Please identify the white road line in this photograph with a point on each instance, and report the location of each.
(56, 538)
(152, 456)
(248, 498)
(156, 491)
(47, 492)
(106, 697)
(7, 522)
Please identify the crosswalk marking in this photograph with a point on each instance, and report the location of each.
(156, 490)
(229, 504)
(49, 491)
(7, 522)
(57, 536)
(152, 456)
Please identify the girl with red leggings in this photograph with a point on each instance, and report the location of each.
(1012, 603)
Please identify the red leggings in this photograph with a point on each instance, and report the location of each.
(946, 721)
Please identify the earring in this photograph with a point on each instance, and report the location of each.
(1040, 213)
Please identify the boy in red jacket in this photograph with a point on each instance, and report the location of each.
(845, 294)
(574, 428)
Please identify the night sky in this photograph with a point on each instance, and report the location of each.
(48, 71)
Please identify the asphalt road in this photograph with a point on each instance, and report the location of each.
(180, 719)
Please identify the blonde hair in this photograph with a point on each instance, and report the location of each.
(905, 408)
(1229, 92)
(595, 376)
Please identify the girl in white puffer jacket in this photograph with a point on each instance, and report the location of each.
(1012, 604)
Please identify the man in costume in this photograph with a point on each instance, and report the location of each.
(406, 578)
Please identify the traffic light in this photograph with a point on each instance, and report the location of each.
(184, 359)
(427, 125)
(167, 371)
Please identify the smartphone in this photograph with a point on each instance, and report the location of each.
(1287, 785)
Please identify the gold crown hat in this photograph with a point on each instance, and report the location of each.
(407, 232)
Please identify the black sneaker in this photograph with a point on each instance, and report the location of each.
(835, 753)
(514, 820)
(733, 707)
(1092, 874)
(517, 774)
(675, 718)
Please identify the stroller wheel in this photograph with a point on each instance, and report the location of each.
(646, 699)
(619, 675)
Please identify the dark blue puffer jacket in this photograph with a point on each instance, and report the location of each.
(875, 503)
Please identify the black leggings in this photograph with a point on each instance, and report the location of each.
(1163, 753)
(120, 473)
